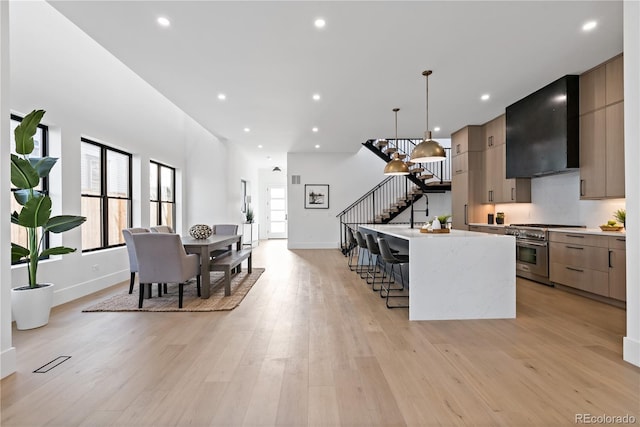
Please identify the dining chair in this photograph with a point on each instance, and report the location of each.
(128, 233)
(223, 230)
(161, 229)
(392, 260)
(162, 259)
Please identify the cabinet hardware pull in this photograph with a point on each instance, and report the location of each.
(621, 240)
(457, 148)
(582, 187)
(459, 170)
(466, 214)
(574, 236)
(512, 198)
(610, 252)
(574, 247)
(575, 269)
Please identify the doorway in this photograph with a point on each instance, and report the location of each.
(277, 212)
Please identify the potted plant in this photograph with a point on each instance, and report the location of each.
(621, 216)
(249, 216)
(31, 303)
(499, 217)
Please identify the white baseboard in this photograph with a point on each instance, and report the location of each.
(312, 245)
(631, 351)
(7, 362)
(85, 288)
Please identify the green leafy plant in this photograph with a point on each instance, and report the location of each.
(35, 214)
(443, 218)
(620, 215)
(249, 215)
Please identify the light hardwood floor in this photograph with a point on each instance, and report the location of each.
(311, 344)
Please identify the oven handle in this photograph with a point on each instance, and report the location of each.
(529, 244)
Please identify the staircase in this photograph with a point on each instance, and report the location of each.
(395, 194)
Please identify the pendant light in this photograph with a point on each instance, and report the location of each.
(428, 150)
(396, 166)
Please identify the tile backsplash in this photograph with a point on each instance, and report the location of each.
(556, 200)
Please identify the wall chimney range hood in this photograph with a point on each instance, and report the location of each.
(542, 131)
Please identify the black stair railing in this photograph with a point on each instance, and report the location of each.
(441, 171)
(379, 205)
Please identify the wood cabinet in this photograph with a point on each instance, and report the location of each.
(588, 262)
(617, 268)
(602, 131)
(467, 180)
(497, 188)
(491, 229)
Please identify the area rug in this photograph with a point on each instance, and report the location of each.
(241, 284)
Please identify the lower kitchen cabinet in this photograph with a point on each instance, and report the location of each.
(588, 262)
(487, 229)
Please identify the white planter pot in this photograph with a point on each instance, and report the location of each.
(31, 307)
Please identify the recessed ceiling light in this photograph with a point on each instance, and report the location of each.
(260, 146)
(314, 129)
(222, 96)
(164, 22)
(316, 97)
(268, 157)
(589, 26)
(485, 97)
(319, 23)
(436, 129)
(247, 130)
(317, 146)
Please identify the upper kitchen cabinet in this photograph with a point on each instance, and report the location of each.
(497, 188)
(602, 131)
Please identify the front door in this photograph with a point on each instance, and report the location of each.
(277, 212)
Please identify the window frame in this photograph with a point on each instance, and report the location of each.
(44, 151)
(158, 185)
(104, 197)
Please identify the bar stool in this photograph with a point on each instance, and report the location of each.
(374, 251)
(351, 248)
(362, 245)
(392, 260)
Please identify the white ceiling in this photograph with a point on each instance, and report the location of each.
(269, 59)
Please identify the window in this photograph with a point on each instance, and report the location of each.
(162, 182)
(106, 195)
(243, 192)
(40, 141)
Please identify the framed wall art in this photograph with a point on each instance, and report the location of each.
(316, 196)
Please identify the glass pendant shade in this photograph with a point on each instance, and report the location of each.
(396, 167)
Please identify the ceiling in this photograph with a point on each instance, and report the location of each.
(268, 58)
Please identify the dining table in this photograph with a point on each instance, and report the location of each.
(204, 247)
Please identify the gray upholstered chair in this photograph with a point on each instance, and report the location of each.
(161, 229)
(162, 259)
(362, 246)
(133, 261)
(392, 260)
(352, 249)
(223, 230)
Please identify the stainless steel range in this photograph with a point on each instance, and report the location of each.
(532, 249)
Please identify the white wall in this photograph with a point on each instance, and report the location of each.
(631, 343)
(7, 351)
(349, 176)
(439, 204)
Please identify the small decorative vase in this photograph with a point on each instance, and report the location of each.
(436, 224)
(200, 231)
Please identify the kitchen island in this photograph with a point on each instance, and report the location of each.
(457, 275)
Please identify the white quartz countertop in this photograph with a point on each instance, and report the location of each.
(590, 231)
(402, 231)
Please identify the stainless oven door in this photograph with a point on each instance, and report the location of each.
(532, 257)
